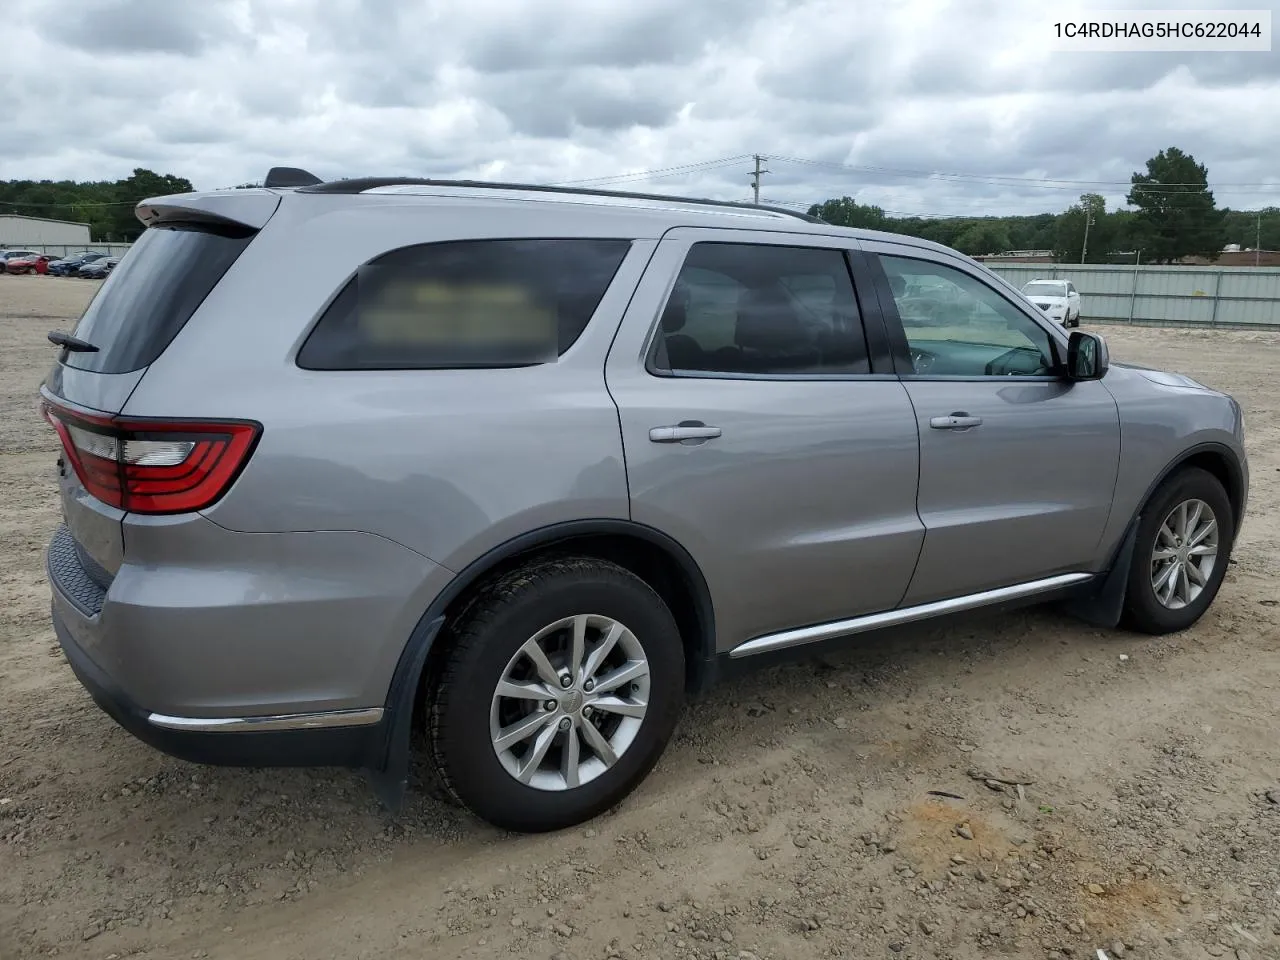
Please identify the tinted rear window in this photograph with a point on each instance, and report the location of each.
(470, 303)
(153, 292)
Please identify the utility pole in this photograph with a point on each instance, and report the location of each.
(1257, 242)
(1088, 219)
(755, 178)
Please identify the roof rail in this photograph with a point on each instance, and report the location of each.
(361, 184)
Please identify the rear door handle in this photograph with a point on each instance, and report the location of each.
(689, 430)
(957, 421)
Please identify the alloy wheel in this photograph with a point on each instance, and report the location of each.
(570, 702)
(1184, 554)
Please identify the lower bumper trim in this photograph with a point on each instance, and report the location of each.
(292, 721)
(347, 738)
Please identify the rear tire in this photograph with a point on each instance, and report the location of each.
(588, 744)
(1180, 554)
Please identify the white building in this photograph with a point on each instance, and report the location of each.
(17, 232)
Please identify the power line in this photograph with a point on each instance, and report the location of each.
(1057, 184)
(660, 172)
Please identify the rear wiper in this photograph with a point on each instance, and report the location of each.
(68, 342)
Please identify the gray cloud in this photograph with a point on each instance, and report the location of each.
(552, 103)
(559, 90)
(142, 26)
(582, 33)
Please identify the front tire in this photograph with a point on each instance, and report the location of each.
(561, 687)
(1180, 555)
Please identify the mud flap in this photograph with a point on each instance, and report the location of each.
(1104, 606)
(390, 779)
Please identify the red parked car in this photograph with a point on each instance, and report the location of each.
(34, 263)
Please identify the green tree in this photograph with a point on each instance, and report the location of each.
(138, 187)
(982, 237)
(105, 205)
(1242, 227)
(1130, 235)
(847, 212)
(1032, 233)
(1176, 208)
(1070, 240)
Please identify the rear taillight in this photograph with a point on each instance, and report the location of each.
(153, 466)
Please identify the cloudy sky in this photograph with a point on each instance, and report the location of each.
(883, 100)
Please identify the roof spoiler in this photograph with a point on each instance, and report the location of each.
(250, 208)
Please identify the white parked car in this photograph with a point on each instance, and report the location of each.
(1057, 298)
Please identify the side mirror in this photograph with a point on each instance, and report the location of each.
(1087, 356)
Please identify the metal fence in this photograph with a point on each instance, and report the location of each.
(1187, 296)
(67, 249)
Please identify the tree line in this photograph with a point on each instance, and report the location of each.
(106, 205)
(1174, 215)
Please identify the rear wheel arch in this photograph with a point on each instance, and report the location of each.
(648, 553)
(653, 556)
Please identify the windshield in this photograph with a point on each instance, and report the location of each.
(1045, 288)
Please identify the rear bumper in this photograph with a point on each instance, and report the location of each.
(302, 743)
(243, 649)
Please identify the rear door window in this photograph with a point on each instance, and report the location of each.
(152, 294)
(468, 303)
(762, 310)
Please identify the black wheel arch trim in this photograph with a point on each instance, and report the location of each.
(1104, 606)
(1235, 469)
(388, 765)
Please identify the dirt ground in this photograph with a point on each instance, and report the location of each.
(1110, 791)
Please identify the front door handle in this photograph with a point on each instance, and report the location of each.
(957, 421)
(681, 432)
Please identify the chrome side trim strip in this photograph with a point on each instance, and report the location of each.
(289, 721)
(890, 618)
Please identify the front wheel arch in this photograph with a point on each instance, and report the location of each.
(1104, 606)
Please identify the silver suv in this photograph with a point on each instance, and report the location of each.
(518, 468)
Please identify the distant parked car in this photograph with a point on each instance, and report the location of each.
(31, 263)
(98, 269)
(7, 255)
(67, 266)
(1057, 298)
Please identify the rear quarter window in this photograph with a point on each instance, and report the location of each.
(470, 303)
(152, 293)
